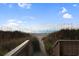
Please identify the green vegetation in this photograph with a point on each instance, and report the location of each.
(64, 34)
(9, 40)
(35, 44)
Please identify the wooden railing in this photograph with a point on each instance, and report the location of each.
(63, 41)
(26, 49)
(21, 50)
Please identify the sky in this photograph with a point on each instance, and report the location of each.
(38, 17)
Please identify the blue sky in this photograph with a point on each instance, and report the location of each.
(38, 17)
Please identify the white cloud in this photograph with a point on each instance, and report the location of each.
(11, 20)
(75, 5)
(12, 25)
(51, 27)
(43, 27)
(67, 16)
(64, 10)
(22, 5)
(25, 5)
(65, 13)
(14, 21)
(68, 26)
(10, 5)
(32, 18)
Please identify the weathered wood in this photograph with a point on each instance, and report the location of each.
(63, 40)
(65, 48)
(18, 49)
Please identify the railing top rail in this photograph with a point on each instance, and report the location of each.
(63, 41)
(18, 48)
(68, 40)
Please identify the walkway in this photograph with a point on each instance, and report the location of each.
(42, 47)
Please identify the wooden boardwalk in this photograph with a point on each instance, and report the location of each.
(26, 49)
